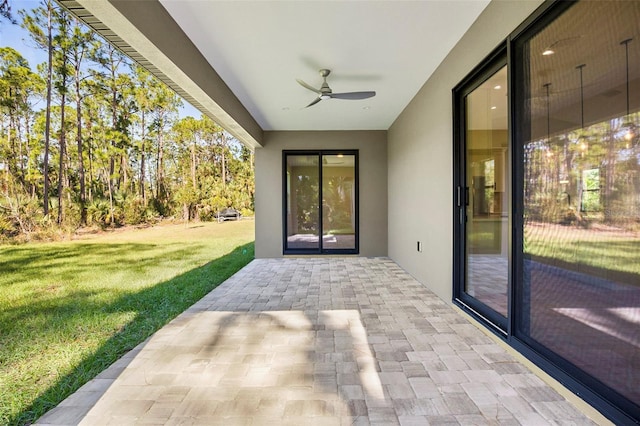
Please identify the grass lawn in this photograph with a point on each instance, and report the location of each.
(70, 309)
(601, 248)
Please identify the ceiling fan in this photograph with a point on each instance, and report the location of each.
(325, 92)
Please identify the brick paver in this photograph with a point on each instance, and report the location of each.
(317, 341)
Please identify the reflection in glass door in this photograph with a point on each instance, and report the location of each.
(484, 201)
(338, 202)
(321, 198)
(579, 276)
(302, 212)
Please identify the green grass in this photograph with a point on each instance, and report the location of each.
(70, 309)
(601, 250)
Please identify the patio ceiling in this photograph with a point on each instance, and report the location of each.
(238, 60)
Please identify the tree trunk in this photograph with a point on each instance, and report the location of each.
(111, 172)
(160, 168)
(143, 165)
(47, 125)
(18, 136)
(114, 123)
(193, 164)
(90, 157)
(32, 185)
(223, 139)
(186, 213)
(123, 172)
(61, 170)
(81, 178)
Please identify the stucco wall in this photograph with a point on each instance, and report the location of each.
(420, 153)
(372, 147)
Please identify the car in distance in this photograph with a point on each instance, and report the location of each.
(228, 214)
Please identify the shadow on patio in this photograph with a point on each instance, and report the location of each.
(318, 341)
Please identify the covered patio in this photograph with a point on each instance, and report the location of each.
(377, 339)
(318, 341)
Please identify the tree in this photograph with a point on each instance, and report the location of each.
(113, 82)
(5, 11)
(39, 25)
(188, 135)
(62, 73)
(82, 43)
(17, 84)
(143, 83)
(132, 159)
(164, 110)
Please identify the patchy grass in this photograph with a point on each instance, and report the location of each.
(70, 309)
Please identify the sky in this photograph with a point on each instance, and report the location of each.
(16, 37)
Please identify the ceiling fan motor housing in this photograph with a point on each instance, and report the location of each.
(325, 91)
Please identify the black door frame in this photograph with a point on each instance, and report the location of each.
(488, 316)
(320, 249)
(595, 393)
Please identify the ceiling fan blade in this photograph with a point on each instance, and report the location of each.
(307, 86)
(353, 95)
(315, 101)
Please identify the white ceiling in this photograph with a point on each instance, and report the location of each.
(259, 48)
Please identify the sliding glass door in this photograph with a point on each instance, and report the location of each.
(320, 202)
(547, 198)
(302, 202)
(578, 279)
(483, 204)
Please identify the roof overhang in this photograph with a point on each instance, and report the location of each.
(132, 26)
(237, 61)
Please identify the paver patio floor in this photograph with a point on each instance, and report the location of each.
(318, 341)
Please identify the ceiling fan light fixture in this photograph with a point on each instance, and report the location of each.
(325, 97)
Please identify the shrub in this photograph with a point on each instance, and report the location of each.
(19, 214)
(98, 212)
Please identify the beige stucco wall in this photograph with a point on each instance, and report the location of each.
(420, 144)
(372, 147)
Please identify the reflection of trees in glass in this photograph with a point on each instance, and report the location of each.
(489, 185)
(590, 190)
(307, 204)
(337, 214)
(590, 176)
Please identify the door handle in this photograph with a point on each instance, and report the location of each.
(460, 196)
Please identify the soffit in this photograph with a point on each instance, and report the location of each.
(259, 48)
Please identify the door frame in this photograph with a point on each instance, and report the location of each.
(479, 310)
(321, 250)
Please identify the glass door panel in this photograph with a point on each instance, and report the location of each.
(302, 199)
(338, 202)
(486, 183)
(579, 289)
(321, 199)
